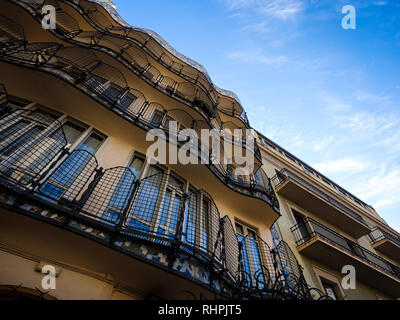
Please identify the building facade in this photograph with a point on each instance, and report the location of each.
(87, 214)
(329, 228)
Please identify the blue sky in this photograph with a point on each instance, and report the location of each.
(328, 95)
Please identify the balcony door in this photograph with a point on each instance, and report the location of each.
(301, 225)
(61, 183)
(124, 190)
(251, 255)
(171, 207)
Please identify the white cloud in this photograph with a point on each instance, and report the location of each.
(259, 28)
(369, 121)
(257, 58)
(372, 98)
(282, 9)
(382, 188)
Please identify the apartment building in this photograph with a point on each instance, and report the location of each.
(329, 228)
(86, 214)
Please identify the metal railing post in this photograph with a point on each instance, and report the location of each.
(37, 184)
(87, 193)
(124, 215)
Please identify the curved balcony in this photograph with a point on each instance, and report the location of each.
(155, 47)
(84, 68)
(40, 177)
(132, 57)
(322, 243)
(81, 68)
(269, 272)
(152, 44)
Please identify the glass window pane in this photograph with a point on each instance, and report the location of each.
(245, 256)
(204, 224)
(148, 194)
(175, 212)
(13, 129)
(190, 226)
(139, 225)
(21, 140)
(136, 166)
(165, 208)
(330, 291)
(92, 143)
(124, 191)
(72, 131)
(177, 184)
(127, 100)
(156, 118)
(239, 229)
(43, 116)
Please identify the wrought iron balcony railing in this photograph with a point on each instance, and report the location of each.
(133, 58)
(4, 105)
(82, 68)
(310, 229)
(36, 164)
(150, 42)
(129, 42)
(379, 234)
(266, 271)
(285, 175)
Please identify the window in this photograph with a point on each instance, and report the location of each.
(308, 170)
(52, 147)
(170, 208)
(136, 166)
(281, 176)
(190, 228)
(355, 248)
(96, 83)
(326, 181)
(276, 238)
(73, 131)
(92, 143)
(252, 262)
(23, 129)
(236, 174)
(127, 100)
(156, 118)
(179, 126)
(270, 145)
(291, 159)
(204, 223)
(259, 179)
(301, 232)
(146, 201)
(240, 180)
(63, 178)
(330, 289)
(113, 91)
(124, 190)
(198, 223)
